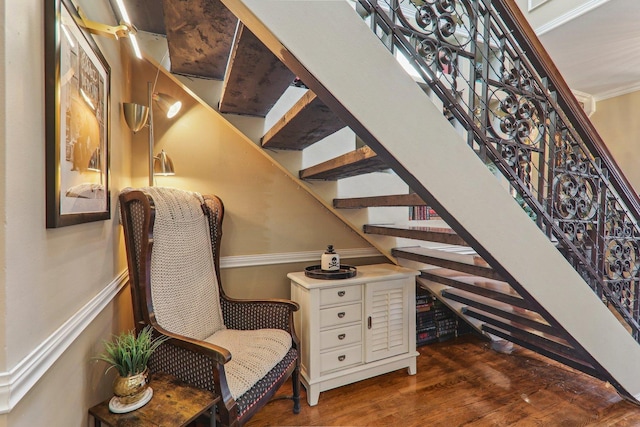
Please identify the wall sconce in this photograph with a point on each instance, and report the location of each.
(124, 29)
(137, 116)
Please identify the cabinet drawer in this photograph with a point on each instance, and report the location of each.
(339, 295)
(340, 315)
(340, 358)
(346, 335)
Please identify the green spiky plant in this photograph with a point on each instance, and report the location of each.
(128, 353)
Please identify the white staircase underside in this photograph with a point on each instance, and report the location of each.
(328, 45)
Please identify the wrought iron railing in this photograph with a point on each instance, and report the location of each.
(497, 87)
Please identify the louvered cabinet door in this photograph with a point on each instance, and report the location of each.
(356, 328)
(387, 319)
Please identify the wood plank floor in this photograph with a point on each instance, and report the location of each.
(463, 382)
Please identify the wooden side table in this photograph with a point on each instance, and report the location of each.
(173, 404)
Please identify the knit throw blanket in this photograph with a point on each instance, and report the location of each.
(184, 285)
(184, 288)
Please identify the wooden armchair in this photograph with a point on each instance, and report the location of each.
(243, 350)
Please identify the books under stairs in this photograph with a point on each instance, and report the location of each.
(435, 322)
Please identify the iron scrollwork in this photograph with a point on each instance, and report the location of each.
(508, 109)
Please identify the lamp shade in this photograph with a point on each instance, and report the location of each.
(163, 165)
(135, 115)
(168, 104)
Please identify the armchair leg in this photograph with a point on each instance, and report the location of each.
(295, 377)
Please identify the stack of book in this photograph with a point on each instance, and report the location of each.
(419, 213)
(426, 330)
(435, 322)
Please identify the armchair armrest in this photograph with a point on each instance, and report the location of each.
(258, 314)
(216, 353)
(195, 362)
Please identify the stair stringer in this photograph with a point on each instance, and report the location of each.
(342, 61)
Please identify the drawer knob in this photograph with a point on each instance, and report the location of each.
(341, 358)
(341, 336)
(341, 293)
(341, 314)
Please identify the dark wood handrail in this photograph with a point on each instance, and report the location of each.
(541, 60)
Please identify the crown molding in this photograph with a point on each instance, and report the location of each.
(534, 4)
(572, 14)
(624, 90)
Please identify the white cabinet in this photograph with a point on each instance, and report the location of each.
(356, 328)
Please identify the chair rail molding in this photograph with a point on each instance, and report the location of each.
(16, 383)
(235, 261)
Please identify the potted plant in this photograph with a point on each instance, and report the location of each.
(129, 354)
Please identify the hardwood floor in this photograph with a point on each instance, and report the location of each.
(463, 382)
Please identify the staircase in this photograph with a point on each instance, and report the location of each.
(478, 260)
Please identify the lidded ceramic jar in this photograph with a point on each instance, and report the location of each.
(330, 260)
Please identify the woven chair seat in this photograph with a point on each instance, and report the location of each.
(253, 354)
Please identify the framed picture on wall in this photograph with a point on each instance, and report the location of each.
(77, 107)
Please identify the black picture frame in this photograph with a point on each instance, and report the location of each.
(77, 111)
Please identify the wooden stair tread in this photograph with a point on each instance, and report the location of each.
(503, 297)
(147, 15)
(466, 263)
(255, 78)
(379, 201)
(429, 234)
(568, 356)
(476, 281)
(199, 36)
(554, 344)
(495, 307)
(361, 161)
(306, 123)
(526, 327)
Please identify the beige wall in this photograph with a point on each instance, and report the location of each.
(616, 119)
(266, 212)
(75, 382)
(48, 275)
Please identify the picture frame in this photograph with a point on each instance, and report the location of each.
(77, 111)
